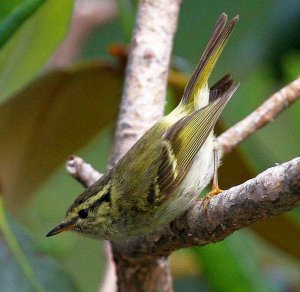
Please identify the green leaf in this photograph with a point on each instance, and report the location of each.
(23, 267)
(7, 6)
(56, 115)
(30, 47)
(15, 19)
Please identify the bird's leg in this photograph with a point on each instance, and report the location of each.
(215, 184)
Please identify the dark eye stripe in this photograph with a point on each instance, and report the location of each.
(104, 198)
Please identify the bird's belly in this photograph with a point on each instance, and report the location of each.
(196, 180)
(201, 171)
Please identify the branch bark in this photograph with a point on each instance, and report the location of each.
(82, 171)
(110, 277)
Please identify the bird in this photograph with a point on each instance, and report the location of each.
(163, 173)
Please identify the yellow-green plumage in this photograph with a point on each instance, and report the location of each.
(163, 173)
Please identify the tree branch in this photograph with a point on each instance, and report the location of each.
(110, 278)
(272, 192)
(82, 171)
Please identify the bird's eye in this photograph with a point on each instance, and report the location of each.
(83, 213)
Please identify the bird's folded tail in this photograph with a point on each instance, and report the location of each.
(207, 61)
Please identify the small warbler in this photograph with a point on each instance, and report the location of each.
(163, 173)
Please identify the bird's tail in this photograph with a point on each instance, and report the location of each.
(207, 62)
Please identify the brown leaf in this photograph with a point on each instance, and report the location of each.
(50, 119)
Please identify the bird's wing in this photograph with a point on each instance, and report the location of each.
(184, 139)
(220, 87)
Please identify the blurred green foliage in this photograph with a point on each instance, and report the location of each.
(263, 54)
(14, 20)
(233, 264)
(23, 268)
(31, 42)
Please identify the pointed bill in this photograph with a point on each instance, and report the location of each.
(64, 226)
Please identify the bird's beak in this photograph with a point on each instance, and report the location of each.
(64, 226)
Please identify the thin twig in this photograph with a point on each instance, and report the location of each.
(262, 116)
(88, 14)
(82, 171)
